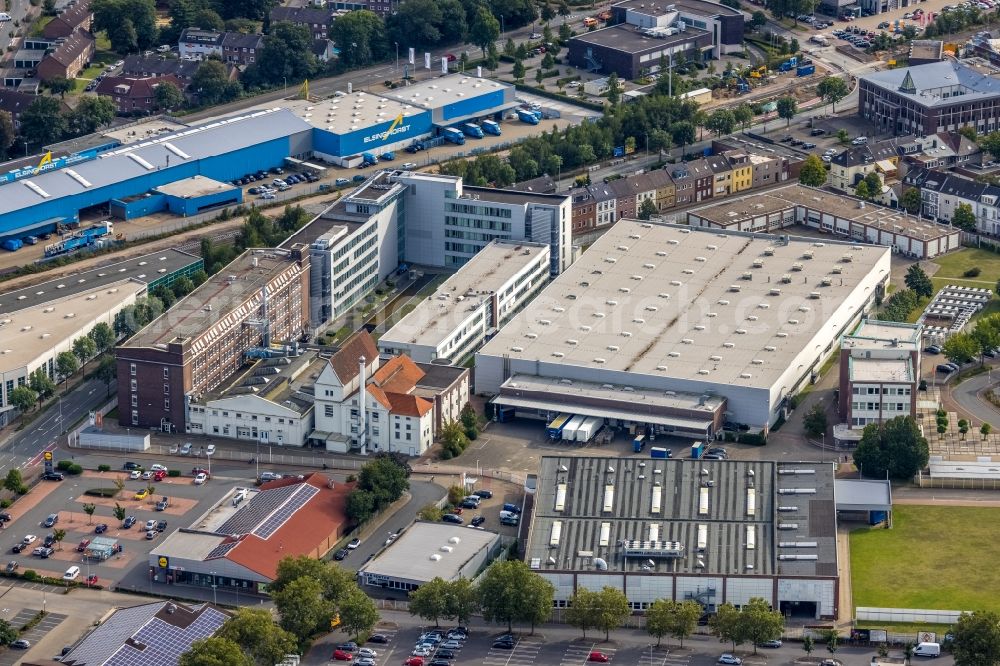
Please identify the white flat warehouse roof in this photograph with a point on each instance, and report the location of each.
(349, 113)
(434, 93)
(670, 301)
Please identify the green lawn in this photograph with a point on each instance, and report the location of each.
(38, 26)
(954, 264)
(933, 557)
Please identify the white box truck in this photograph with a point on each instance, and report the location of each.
(927, 650)
(588, 429)
(569, 431)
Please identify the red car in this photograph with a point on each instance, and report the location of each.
(451, 57)
(159, 475)
(83, 545)
(92, 579)
(414, 661)
(340, 655)
(598, 656)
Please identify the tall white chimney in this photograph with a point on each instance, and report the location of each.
(362, 400)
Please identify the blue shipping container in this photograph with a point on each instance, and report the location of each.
(697, 449)
(658, 452)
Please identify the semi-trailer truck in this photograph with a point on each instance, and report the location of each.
(491, 127)
(453, 135)
(473, 130)
(569, 430)
(424, 144)
(555, 428)
(370, 159)
(589, 429)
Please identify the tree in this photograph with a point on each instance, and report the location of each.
(453, 439)
(90, 114)
(832, 639)
(758, 20)
(976, 639)
(518, 70)
(721, 122)
(581, 611)
(168, 96)
(259, 637)
(23, 399)
(8, 634)
(107, 370)
(60, 86)
(358, 613)
(964, 218)
(874, 184)
(66, 364)
(509, 591)
(430, 513)
(7, 133)
(84, 349)
(910, 200)
(40, 382)
(89, 509)
(895, 447)
(119, 483)
(118, 512)
(303, 608)
(385, 478)
(211, 82)
(842, 136)
(58, 535)
(214, 652)
(813, 173)
(461, 601)
(743, 114)
(760, 622)
(287, 54)
(808, 644)
(917, 281)
(360, 506)
(684, 133)
(484, 29)
(130, 24)
(361, 36)
(14, 482)
(547, 12)
(684, 619)
(727, 625)
(42, 122)
(648, 209)
(961, 348)
(991, 144)
(539, 76)
(334, 581)
(418, 22)
(614, 89)
(430, 600)
(103, 337)
(862, 191)
(832, 89)
(787, 108)
(659, 617)
(815, 422)
(985, 429)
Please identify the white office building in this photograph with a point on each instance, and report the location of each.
(472, 304)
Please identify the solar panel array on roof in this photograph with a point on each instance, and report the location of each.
(254, 512)
(221, 550)
(160, 643)
(303, 494)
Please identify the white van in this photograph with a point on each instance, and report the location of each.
(4, 17)
(72, 573)
(927, 650)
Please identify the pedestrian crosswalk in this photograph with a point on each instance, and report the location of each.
(525, 653)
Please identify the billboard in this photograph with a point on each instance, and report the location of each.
(619, 151)
(48, 163)
(412, 55)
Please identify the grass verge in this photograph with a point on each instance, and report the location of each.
(925, 560)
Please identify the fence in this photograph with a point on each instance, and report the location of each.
(925, 481)
(911, 615)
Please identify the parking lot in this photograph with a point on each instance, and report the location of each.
(67, 498)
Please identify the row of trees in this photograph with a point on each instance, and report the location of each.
(40, 385)
(965, 347)
(258, 230)
(45, 121)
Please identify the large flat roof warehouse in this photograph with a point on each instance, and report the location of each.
(730, 309)
(215, 299)
(347, 112)
(27, 333)
(657, 516)
(427, 550)
(441, 91)
(137, 160)
(195, 186)
(487, 272)
(145, 269)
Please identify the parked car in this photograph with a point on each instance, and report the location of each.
(129, 522)
(52, 476)
(29, 539)
(141, 494)
(161, 526)
(933, 349)
(598, 657)
(100, 528)
(349, 646)
(186, 449)
(151, 534)
(12, 566)
(20, 644)
(82, 546)
(92, 580)
(354, 543)
(478, 520)
(378, 638)
(452, 518)
(49, 541)
(269, 476)
(162, 504)
(469, 504)
(341, 554)
(340, 655)
(210, 450)
(200, 479)
(731, 659)
(51, 520)
(946, 367)
(770, 644)
(134, 475)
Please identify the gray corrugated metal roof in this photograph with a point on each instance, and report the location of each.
(216, 138)
(933, 78)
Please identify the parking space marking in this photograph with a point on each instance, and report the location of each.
(577, 654)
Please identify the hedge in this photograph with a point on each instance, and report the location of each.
(593, 106)
(173, 473)
(104, 468)
(101, 492)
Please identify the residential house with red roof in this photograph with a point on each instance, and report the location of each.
(135, 95)
(77, 14)
(238, 543)
(69, 58)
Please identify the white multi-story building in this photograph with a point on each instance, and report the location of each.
(400, 217)
(456, 320)
(941, 193)
(364, 405)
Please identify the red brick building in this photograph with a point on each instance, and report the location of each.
(69, 58)
(132, 95)
(76, 15)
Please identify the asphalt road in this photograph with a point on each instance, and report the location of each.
(966, 394)
(18, 10)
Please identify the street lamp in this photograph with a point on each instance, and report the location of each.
(396, 68)
(215, 598)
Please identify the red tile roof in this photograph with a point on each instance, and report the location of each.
(409, 405)
(312, 530)
(399, 375)
(345, 361)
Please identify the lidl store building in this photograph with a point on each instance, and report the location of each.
(338, 130)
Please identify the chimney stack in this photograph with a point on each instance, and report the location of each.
(362, 399)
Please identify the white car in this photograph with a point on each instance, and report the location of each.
(367, 652)
(422, 651)
(135, 474)
(157, 467)
(150, 525)
(174, 449)
(146, 476)
(409, 165)
(186, 449)
(730, 659)
(29, 539)
(200, 479)
(210, 450)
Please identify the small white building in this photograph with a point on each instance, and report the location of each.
(472, 304)
(430, 550)
(598, 87)
(364, 405)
